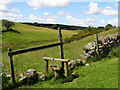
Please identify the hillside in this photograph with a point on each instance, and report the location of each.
(29, 36)
(26, 36)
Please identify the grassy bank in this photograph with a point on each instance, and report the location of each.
(103, 74)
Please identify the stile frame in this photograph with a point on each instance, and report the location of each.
(12, 53)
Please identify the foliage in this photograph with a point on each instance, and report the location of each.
(5, 81)
(54, 26)
(35, 23)
(108, 26)
(7, 24)
(77, 37)
(115, 52)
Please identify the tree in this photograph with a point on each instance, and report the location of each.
(7, 24)
(108, 26)
(54, 26)
(35, 23)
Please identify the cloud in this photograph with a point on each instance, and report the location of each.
(64, 13)
(102, 22)
(3, 8)
(16, 10)
(5, 2)
(113, 22)
(107, 11)
(60, 13)
(81, 22)
(109, 21)
(82, 7)
(93, 9)
(49, 3)
(46, 18)
(9, 14)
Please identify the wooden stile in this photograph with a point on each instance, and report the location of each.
(56, 69)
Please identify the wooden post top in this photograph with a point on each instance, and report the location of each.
(55, 59)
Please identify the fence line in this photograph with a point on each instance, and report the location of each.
(11, 53)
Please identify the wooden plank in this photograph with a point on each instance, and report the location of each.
(34, 49)
(46, 65)
(61, 46)
(97, 47)
(55, 59)
(66, 68)
(12, 67)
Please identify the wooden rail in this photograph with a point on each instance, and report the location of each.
(55, 59)
(34, 49)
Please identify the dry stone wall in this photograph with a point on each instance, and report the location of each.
(104, 44)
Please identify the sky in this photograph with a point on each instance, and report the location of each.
(69, 12)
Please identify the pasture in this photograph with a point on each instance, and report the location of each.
(29, 36)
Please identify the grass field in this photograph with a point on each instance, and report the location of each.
(26, 36)
(104, 74)
(29, 60)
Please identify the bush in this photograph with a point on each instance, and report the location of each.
(76, 37)
(5, 81)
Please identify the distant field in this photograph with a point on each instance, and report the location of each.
(27, 36)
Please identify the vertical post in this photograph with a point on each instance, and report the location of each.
(61, 47)
(56, 74)
(46, 65)
(97, 47)
(12, 67)
(66, 68)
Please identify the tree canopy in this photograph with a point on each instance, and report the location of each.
(7, 24)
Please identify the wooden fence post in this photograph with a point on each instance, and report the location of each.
(12, 67)
(66, 68)
(97, 47)
(61, 46)
(46, 65)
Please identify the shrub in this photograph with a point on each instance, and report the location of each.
(5, 81)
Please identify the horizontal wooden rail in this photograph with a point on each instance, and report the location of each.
(34, 49)
(55, 59)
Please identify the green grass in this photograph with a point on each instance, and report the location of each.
(29, 60)
(30, 36)
(104, 74)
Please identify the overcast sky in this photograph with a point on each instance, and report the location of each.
(61, 12)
